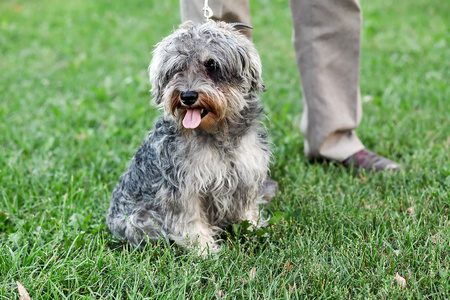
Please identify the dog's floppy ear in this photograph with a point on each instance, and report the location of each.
(252, 68)
(156, 78)
(255, 72)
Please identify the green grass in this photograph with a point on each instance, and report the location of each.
(74, 107)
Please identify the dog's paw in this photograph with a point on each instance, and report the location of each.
(209, 249)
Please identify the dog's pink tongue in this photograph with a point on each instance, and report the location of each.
(192, 119)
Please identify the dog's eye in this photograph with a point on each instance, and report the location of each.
(211, 65)
(175, 71)
(169, 75)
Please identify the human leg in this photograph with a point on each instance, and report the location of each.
(327, 38)
(327, 43)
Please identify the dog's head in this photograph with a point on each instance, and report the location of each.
(205, 75)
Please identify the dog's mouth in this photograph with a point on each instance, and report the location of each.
(203, 112)
(194, 116)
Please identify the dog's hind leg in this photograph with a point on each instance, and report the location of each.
(137, 228)
(253, 215)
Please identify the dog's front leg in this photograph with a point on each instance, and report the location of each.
(192, 230)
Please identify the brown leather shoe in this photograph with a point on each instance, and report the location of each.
(370, 162)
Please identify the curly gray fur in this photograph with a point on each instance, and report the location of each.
(188, 184)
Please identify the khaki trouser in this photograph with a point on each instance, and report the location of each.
(327, 45)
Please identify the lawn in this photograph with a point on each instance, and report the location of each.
(75, 106)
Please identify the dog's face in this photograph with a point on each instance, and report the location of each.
(203, 75)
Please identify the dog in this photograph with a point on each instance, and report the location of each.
(202, 166)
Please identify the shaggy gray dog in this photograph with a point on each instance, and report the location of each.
(204, 163)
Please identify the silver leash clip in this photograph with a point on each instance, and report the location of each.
(207, 11)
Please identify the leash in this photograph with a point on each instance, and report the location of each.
(207, 11)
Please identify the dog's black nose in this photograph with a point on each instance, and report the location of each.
(189, 98)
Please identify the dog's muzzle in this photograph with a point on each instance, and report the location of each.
(193, 116)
